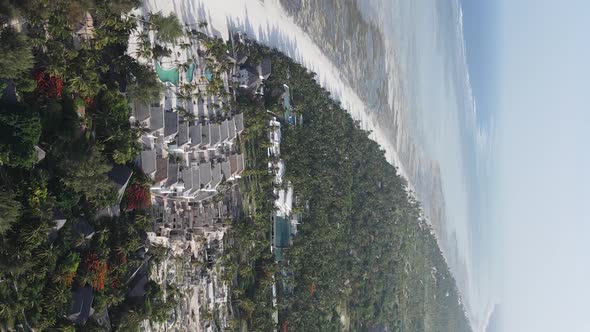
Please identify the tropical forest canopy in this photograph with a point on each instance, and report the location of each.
(64, 125)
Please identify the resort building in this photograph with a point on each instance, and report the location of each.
(191, 153)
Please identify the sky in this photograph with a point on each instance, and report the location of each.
(480, 33)
(539, 97)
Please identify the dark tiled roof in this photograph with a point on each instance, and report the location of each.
(82, 227)
(231, 125)
(138, 288)
(241, 57)
(141, 111)
(224, 131)
(233, 163)
(170, 123)
(148, 161)
(103, 320)
(205, 171)
(173, 170)
(195, 134)
(182, 133)
(161, 169)
(215, 175)
(236, 163)
(58, 215)
(215, 134)
(225, 169)
(81, 308)
(240, 163)
(264, 69)
(156, 118)
(9, 93)
(120, 175)
(196, 179)
(253, 78)
(187, 178)
(205, 134)
(239, 118)
(146, 141)
(59, 219)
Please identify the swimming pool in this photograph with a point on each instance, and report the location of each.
(168, 75)
(190, 72)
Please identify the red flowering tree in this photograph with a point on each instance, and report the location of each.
(90, 102)
(98, 270)
(49, 85)
(138, 196)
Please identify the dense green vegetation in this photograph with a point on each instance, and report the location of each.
(363, 257)
(248, 262)
(66, 98)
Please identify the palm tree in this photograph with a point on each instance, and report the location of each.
(168, 27)
(182, 95)
(58, 296)
(139, 129)
(84, 86)
(186, 88)
(144, 51)
(143, 220)
(9, 211)
(185, 45)
(185, 114)
(183, 67)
